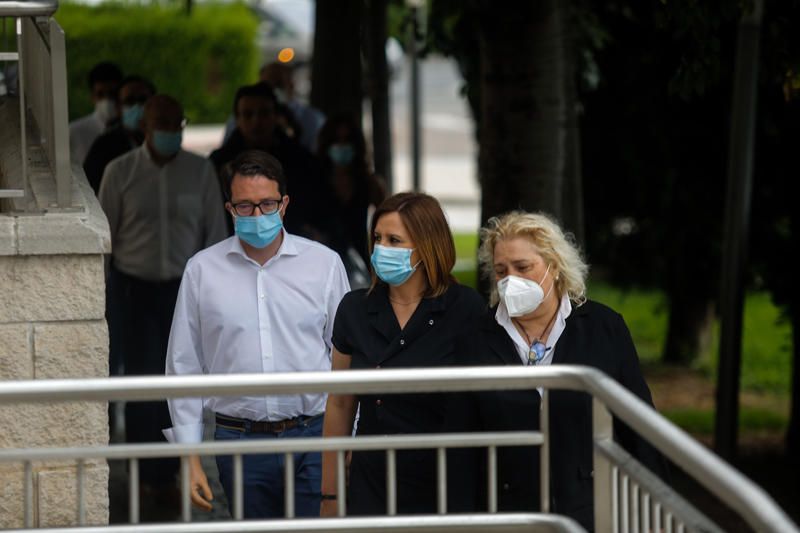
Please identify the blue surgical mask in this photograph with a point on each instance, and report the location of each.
(258, 231)
(167, 143)
(132, 116)
(341, 154)
(393, 265)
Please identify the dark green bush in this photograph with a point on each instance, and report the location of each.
(199, 59)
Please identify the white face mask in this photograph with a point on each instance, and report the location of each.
(521, 296)
(106, 110)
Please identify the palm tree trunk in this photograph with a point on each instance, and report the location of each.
(523, 135)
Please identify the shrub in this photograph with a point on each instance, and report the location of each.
(199, 59)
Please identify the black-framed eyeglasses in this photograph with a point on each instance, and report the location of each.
(266, 207)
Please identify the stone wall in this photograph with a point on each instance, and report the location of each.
(52, 325)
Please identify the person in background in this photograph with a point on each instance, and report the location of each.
(299, 120)
(125, 135)
(343, 154)
(309, 119)
(263, 300)
(104, 78)
(256, 129)
(163, 206)
(541, 316)
(411, 317)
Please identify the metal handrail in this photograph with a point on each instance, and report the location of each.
(28, 8)
(508, 523)
(729, 485)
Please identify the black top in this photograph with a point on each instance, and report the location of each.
(107, 147)
(594, 336)
(367, 330)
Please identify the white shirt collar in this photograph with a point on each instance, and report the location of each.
(502, 318)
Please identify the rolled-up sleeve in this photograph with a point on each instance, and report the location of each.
(185, 357)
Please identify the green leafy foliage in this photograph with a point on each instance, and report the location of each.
(199, 59)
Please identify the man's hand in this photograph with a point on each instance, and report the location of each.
(198, 484)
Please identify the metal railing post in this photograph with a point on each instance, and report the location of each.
(603, 430)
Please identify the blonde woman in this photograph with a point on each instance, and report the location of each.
(540, 316)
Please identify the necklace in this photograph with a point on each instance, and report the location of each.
(537, 348)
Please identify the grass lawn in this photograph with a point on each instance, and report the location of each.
(766, 347)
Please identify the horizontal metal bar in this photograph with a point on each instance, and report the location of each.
(351, 382)
(245, 447)
(27, 8)
(9, 56)
(508, 523)
(11, 193)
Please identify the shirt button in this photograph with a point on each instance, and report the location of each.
(378, 402)
(430, 322)
(261, 296)
(377, 366)
(402, 342)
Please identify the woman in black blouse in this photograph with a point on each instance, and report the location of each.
(410, 317)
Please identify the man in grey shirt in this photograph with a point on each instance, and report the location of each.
(163, 205)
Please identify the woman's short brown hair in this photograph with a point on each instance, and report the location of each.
(426, 224)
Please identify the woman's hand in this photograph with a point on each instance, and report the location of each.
(329, 508)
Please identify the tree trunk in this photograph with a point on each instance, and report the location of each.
(689, 327)
(378, 87)
(523, 138)
(793, 432)
(336, 67)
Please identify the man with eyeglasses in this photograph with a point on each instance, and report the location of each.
(263, 300)
(125, 136)
(163, 205)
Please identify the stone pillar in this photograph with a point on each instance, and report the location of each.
(52, 325)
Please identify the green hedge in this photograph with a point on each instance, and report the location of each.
(199, 59)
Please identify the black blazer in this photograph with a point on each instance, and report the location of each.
(594, 336)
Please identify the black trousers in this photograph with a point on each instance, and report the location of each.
(139, 315)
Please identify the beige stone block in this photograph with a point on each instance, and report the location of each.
(16, 359)
(54, 424)
(51, 288)
(8, 235)
(12, 512)
(58, 496)
(70, 350)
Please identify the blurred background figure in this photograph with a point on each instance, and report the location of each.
(104, 79)
(126, 134)
(300, 121)
(346, 170)
(163, 205)
(255, 109)
(309, 119)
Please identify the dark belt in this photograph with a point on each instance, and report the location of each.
(262, 426)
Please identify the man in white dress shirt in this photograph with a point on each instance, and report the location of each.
(261, 301)
(163, 205)
(103, 81)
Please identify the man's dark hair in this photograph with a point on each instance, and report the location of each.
(252, 163)
(105, 71)
(135, 78)
(257, 90)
